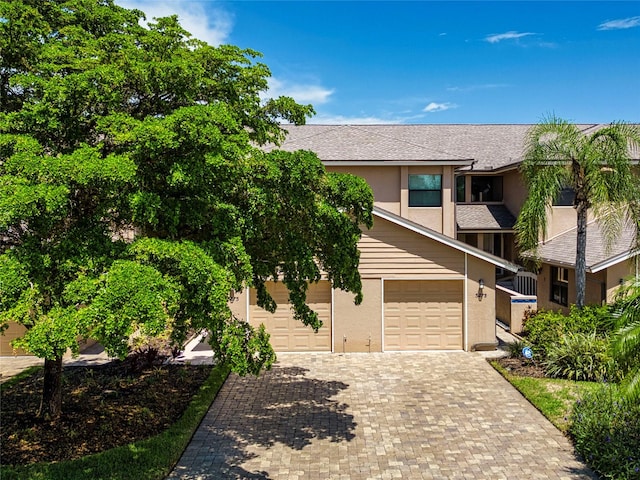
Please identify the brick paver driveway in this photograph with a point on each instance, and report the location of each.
(376, 416)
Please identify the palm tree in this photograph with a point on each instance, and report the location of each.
(626, 341)
(598, 167)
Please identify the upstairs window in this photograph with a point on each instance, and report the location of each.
(425, 190)
(461, 189)
(560, 286)
(486, 189)
(565, 197)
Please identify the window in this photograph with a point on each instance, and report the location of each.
(565, 198)
(560, 285)
(486, 189)
(425, 190)
(460, 188)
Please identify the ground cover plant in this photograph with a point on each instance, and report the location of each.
(119, 422)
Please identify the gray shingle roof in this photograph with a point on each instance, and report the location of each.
(490, 146)
(484, 217)
(561, 250)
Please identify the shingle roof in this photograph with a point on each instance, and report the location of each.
(561, 250)
(484, 217)
(490, 146)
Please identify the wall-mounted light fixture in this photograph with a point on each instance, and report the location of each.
(481, 293)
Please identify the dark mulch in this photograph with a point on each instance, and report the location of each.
(103, 407)
(522, 367)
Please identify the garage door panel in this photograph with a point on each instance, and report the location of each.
(287, 333)
(423, 315)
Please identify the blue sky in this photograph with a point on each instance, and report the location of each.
(435, 62)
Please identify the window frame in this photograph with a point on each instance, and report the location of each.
(559, 286)
(412, 202)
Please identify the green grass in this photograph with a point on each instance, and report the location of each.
(150, 459)
(27, 372)
(552, 396)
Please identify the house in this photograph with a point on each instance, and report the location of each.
(446, 201)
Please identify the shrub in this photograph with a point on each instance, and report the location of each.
(606, 431)
(545, 328)
(580, 356)
(515, 348)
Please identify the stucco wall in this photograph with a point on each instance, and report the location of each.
(384, 182)
(481, 313)
(358, 328)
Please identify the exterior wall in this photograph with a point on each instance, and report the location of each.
(390, 186)
(514, 191)
(394, 252)
(620, 271)
(480, 311)
(358, 328)
(595, 289)
(14, 331)
(511, 307)
(441, 219)
(384, 182)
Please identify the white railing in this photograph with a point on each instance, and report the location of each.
(526, 283)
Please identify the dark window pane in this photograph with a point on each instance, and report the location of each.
(460, 188)
(565, 198)
(425, 182)
(425, 198)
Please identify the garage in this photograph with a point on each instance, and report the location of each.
(423, 315)
(288, 334)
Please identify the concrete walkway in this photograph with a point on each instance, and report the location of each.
(376, 416)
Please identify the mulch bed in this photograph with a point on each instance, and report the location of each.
(521, 367)
(103, 407)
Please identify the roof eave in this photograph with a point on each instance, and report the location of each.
(395, 163)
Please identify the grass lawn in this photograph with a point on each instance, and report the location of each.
(554, 397)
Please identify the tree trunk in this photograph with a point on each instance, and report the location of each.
(581, 252)
(51, 403)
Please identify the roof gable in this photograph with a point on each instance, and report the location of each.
(443, 239)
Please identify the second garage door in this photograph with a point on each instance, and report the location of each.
(423, 314)
(288, 334)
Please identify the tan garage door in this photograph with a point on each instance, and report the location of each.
(287, 334)
(14, 331)
(423, 315)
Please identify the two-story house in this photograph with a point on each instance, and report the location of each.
(446, 201)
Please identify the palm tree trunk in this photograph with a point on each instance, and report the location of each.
(581, 252)
(51, 403)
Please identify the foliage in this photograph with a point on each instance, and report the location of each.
(606, 430)
(515, 348)
(581, 356)
(150, 459)
(545, 328)
(597, 166)
(134, 193)
(625, 342)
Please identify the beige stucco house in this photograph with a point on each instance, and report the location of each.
(446, 201)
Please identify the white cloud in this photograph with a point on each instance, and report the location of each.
(439, 107)
(314, 94)
(473, 88)
(204, 20)
(620, 23)
(495, 38)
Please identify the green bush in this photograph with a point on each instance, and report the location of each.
(606, 431)
(515, 348)
(545, 328)
(580, 356)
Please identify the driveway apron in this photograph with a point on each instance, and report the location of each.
(376, 416)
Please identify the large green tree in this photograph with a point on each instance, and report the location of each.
(598, 166)
(134, 195)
